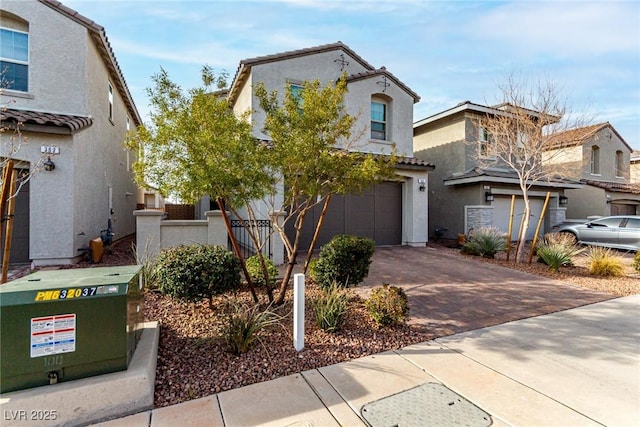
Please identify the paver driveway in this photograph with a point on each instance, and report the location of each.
(450, 293)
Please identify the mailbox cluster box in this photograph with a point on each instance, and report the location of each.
(62, 325)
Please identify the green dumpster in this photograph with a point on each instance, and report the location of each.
(63, 325)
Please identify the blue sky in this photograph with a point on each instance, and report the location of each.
(446, 51)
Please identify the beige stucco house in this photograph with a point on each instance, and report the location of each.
(464, 196)
(64, 84)
(635, 167)
(391, 213)
(600, 158)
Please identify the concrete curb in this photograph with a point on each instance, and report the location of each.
(89, 400)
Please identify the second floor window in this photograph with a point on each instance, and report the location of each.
(378, 120)
(110, 102)
(594, 163)
(484, 143)
(619, 164)
(14, 60)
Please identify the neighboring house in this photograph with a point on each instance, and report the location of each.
(391, 213)
(66, 88)
(462, 195)
(600, 158)
(635, 167)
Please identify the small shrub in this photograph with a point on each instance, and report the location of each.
(557, 250)
(485, 242)
(330, 307)
(257, 274)
(345, 260)
(388, 305)
(149, 270)
(604, 263)
(195, 272)
(636, 261)
(244, 324)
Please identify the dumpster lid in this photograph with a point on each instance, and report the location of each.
(74, 277)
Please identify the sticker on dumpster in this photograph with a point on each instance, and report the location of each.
(71, 293)
(53, 335)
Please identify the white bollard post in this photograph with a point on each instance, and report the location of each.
(298, 311)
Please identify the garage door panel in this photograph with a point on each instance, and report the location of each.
(375, 213)
(360, 215)
(502, 207)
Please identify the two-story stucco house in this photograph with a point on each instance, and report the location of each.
(63, 83)
(635, 167)
(391, 213)
(601, 159)
(463, 195)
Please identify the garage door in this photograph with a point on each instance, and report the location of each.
(502, 207)
(620, 209)
(376, 214)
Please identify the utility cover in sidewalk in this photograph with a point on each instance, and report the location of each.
(430, 404)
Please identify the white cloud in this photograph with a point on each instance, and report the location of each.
(570, 29)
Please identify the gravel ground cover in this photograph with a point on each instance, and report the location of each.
(194, 360)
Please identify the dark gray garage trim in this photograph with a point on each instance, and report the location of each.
(376, 214)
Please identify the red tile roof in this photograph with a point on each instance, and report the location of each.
(613, 186)
(578, 136)
(27, 117)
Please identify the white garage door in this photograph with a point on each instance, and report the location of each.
(502, 207)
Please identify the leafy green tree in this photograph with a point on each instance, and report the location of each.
(196, 146)
(313, 149)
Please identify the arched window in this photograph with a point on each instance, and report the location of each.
(380, 117)
(14, 53)
(14, 59)
(595, 160)
(619, 164)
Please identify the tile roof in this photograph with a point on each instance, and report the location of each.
(505, 176)
(578, 136)
(503, 109)
(415, 162)
(99, 35)
(27, 117)
(382, 71)
(245, 66)
(614, 186)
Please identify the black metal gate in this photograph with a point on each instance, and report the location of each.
(260, 227)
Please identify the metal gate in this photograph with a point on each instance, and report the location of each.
(261, 228)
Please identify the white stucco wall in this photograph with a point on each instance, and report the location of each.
(70, 205)
(57, 49)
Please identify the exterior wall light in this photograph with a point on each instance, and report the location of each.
(608, 198)
(49, 165)
(563, 200)
(422, 184)
(488, 196)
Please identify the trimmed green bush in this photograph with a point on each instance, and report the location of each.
(604, 263)
(486, 242)
(196, 272)
(330, 307)
(636, 261)
(257, 274)
(557, 250)
(345, 260)
(388, 305)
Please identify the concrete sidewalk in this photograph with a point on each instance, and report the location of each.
(571, 368)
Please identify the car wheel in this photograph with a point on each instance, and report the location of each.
(571, 238)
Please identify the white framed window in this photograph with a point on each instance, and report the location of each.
(14, 60)
(485, 148)
(594, 162)
(110, 102)
(378, 120)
